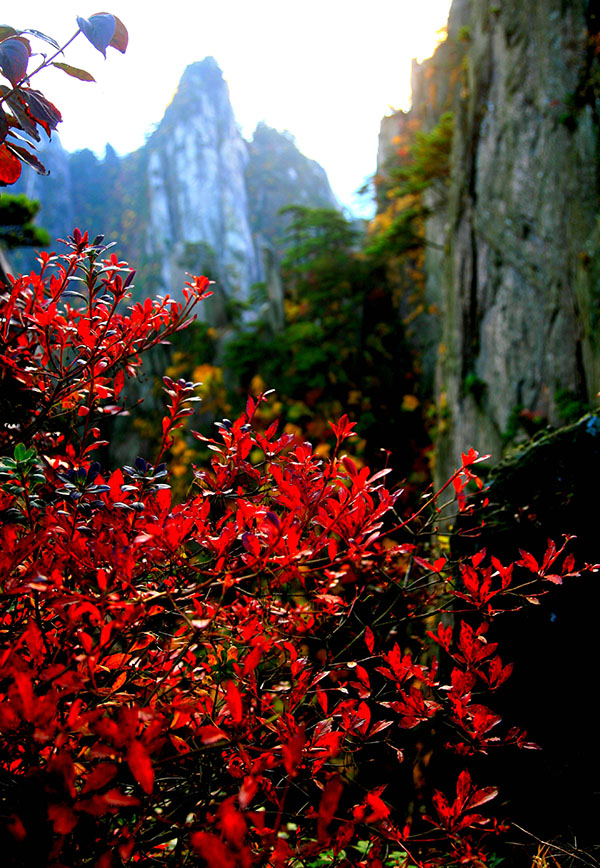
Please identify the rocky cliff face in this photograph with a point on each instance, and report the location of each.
(514, 260)
(196, 189)
(196, 198)
(277, 175)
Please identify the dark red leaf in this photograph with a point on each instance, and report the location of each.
(292, 752)
(27, 157)
(42, 110)
(100, 776)
(480, 797)
(118, 799)
(120, 38)
(214, 851)
(234, 702)
(22, 117)
(328, 805)
(64, 818)
(140, 764)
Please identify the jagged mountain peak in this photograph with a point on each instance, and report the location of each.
(206, 71)
(201, 89)
(195, 198)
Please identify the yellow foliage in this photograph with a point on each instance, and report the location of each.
(323, 450)
(410, 402)
(257, 385)
(212, 388)
(290, 428)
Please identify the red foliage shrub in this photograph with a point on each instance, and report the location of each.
(239, 679)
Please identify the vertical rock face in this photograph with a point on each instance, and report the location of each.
(196, 162)
(518, 275)
(523, 206)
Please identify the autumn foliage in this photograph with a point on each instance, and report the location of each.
(246, 677)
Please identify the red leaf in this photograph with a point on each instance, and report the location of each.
(234, 702)
(26, 157)
(349, 465)
(100, 776)
(369, 639)
(10, 166)
(480, 797)
(379, 727)
(528, 561)
(379, 810)
(328, 805)
(211, 734)
(119, 383)
(42, 110)
(118, 799)
(64, 818)
(252, 660)
(23, 683)
(120, 38)
(140, 764)
(247, 791)
(292, 752)
(554, 578)
(105, 860)
(232, 823)
(212, 850)
(550, 555)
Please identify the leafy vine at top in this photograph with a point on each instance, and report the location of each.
(23, 109)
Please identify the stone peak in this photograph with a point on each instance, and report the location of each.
(206, 72)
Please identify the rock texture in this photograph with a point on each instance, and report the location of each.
(195, 173)
(515, 264)
(278, 175)
(195, 198)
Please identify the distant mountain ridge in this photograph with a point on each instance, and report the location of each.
(196, 197)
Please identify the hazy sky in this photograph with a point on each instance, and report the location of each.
(326, 70)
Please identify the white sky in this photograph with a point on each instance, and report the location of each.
(326, 70)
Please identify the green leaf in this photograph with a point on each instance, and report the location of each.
(81, 74)
(20, 452)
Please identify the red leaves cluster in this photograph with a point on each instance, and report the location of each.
(454, 817)
(199, 680)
